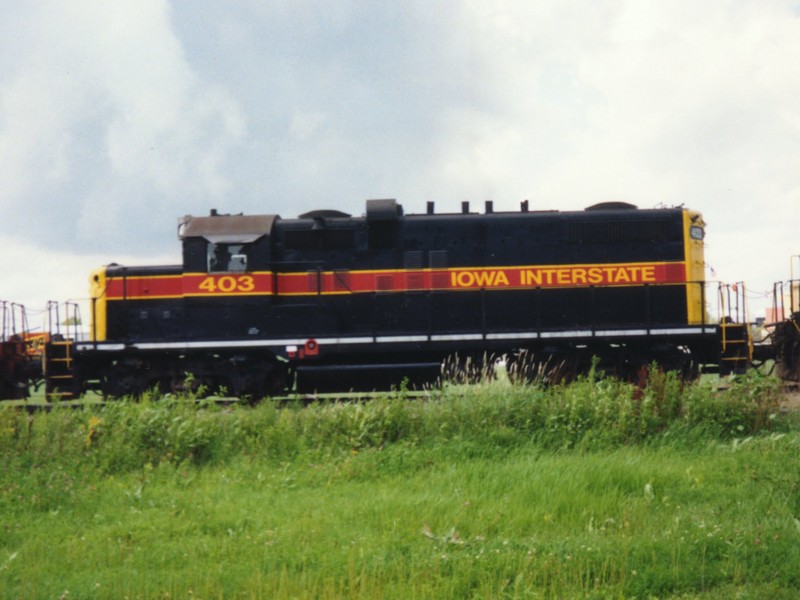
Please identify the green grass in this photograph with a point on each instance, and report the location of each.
(595, 490)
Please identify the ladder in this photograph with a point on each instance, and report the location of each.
(61, 382)
(59, 374)
(736, 341)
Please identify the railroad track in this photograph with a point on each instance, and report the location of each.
(304, 399)
(790, 403)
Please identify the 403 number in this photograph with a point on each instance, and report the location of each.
(228, 284)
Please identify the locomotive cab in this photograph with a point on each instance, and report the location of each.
(226, 243)
(228, 279)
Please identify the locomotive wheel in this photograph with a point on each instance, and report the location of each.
(12, 390)
(187, 383)
(673, 358)
(253, 380)
(129, 379)
(278, 379)
(122, 384)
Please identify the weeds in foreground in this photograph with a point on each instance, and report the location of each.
(596, 489)
(594, 412)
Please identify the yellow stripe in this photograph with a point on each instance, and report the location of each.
(695, 268)
(477, 269)
(97, 293)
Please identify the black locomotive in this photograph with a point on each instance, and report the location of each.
(262, 305)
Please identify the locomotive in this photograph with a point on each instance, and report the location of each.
(327, 301)
(262, 305)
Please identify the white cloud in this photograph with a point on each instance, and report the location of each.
(39, 275)
(103, 102)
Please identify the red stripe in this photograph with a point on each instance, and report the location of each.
(190, 284)
(345, 282)
(143, 287)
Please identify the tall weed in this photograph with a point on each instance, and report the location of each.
(748, 406)
(591, 413)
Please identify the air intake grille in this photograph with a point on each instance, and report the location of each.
(595, 232)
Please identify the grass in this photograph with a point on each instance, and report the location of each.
(594, 490)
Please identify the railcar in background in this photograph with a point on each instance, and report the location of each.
(20, 358)
(327, 301)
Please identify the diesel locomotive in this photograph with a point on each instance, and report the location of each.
(262, 305)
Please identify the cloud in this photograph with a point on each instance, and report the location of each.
(38, 275)
(656, 100)
(103, 119)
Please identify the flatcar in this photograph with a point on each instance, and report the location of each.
(327, 301)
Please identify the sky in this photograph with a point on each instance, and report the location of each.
(117, 118)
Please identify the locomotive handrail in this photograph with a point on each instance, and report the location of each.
(5, 320)
(4, 317)
(18, 310)
(703, 300)
(734, 314)
(735, 309)
(778, 305)
(71, 323)
(13, 318)
(779, 297)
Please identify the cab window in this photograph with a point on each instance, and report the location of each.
(227, 257)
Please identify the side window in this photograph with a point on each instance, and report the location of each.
(225, 258)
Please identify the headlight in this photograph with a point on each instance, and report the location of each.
(696, 233)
